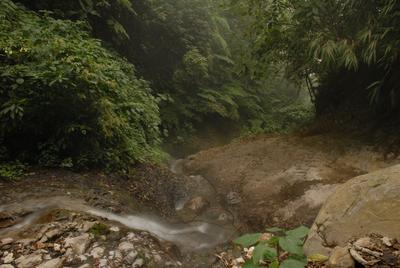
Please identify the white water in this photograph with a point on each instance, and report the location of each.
(190, 236)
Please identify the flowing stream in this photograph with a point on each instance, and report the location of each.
(189, 236)
(197, 234)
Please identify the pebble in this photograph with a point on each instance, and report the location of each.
(157, 258)
(125, 246)
(6, 241)
(78, 244)
(114, 229)
(54, 263)
(29, 261)
(138, 263)
(9, 258)
(341, 258)
(82, 258)
(57, 247)
(131, 257)
(97, 253)
(103, 263)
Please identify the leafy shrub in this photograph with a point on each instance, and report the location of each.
(67, 100)
(11, 170)
(99, 229)
(269, 249)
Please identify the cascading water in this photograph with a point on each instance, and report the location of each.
(189, 236)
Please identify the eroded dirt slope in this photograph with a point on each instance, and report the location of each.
(282, 180)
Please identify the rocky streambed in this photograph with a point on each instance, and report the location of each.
(187, 216)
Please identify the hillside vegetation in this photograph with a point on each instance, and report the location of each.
(106, 83)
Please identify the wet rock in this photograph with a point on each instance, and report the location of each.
(138, 263)
(29, 261)
(78, 244)
(197, 204)
(363, 205)
(341, 258)
(97, 253)
(233, 198)
(125, 246)
(54, 263)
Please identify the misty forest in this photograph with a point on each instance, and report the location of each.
(200, 133)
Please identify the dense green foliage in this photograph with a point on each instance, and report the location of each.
(65, 99)
(163, 69)
(191, 51)
(346, 50)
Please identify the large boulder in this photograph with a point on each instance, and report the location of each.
(363, 205)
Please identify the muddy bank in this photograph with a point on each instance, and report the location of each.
(282, 180)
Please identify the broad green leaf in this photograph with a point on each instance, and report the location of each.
(291, 263)
(299, 232)
(318, 258)
(261, 251)
(248, 240)
(250, 264)
(274, 230)
(274, 264)
(273, 241)
(291, 245)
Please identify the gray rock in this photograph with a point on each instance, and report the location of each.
(340, 258)
(157, 258)
(131, 257)
(103, 263)
(54, 263)
(78, 244)
(138, 263)
(97, 253)
(29, 261)
(9, 258)
(363, 205)
(125, 246)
